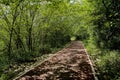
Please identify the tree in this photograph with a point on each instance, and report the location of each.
(107, 23)
(34, 27)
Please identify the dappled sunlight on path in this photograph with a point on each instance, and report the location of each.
(71, 63)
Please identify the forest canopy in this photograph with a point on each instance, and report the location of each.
(31, 28)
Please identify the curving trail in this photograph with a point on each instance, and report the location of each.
(71, 63)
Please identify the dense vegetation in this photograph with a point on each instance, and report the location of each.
(33, 28)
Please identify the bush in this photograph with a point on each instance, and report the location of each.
(108, 66)
(106, 62)
(44, 49)
(7, 76)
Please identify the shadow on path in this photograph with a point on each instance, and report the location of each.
(71, 63)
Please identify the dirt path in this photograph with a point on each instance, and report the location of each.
(71, 63)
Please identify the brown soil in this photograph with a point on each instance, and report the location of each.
(71, 63)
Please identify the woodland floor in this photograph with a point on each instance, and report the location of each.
(71, 63)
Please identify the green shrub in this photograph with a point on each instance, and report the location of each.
(44, 49)
(106, 62)
(108, 66)
(8, 75)
(4, 77)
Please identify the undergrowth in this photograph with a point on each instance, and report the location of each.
(106, 62)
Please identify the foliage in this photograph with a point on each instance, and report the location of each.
(107, 23)
(103, 43)
(7, 76)
(32, 28)
(108, 66)
(106, 62)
